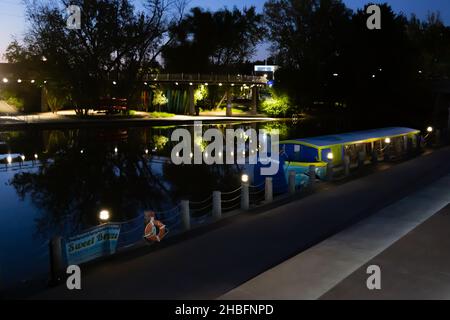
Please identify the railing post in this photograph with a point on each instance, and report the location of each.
(347, 165)
(56, 260)
(269, 189)
(437, 137)
(185, 215)
(312, 176)
(374, 157)
(361, 159)
(245, 196)
(292, 175)
(217, 205)
(330, 168)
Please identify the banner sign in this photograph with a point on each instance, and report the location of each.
(97, 242)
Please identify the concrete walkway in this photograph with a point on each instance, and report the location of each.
(314, 272)
(7, 109)
(208, 265)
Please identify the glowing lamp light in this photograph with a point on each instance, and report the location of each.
(335, 74)
(146, 151)
(44, 58)
(36, 156)
(190, 83)
(206, 83)
(114, 82)
(220, 84)
(22, 157)
(5, 80)
(104, 215)
(244, 178)
(176, 83)
(9, 159)
(430, 129)
(19, 80)
(387, 140)
(81, 151)
(116, 150)
(191, 155)
(33, 81)
(330, 156)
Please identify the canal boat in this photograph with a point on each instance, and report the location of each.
(300, 154)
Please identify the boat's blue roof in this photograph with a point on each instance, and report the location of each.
(353, 137)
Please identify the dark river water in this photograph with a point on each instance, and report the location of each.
(67, 176)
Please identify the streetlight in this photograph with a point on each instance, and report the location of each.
(22, 157)
(36, 156)
(244, 178)
(9, 159)
(104, 215)
(430, 129)
(387, 140)
(19, 80)
(5, 80)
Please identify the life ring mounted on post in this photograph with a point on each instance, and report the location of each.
(155, 230)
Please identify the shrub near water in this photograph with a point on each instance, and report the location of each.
(276, 106)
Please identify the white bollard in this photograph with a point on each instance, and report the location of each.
(312, 176)
(347, 165)
(269, 190)
(217, 205)
(292, 175)
(245, 196)
(185, 215)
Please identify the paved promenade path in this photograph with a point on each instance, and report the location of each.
(208, 265)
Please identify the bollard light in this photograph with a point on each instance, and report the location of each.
(36, 156)
(104, 215)
(430, 129)
(9, 159)
(330, 156)
(244, 178)
(22, 157)
(387, 140)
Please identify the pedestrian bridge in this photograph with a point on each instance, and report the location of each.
(208, 79)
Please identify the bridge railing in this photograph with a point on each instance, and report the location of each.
(205, 78)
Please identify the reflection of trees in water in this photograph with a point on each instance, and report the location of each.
(78, 185)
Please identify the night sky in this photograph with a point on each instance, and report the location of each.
(12, 22)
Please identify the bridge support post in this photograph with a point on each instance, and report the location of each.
(229, 103)
(191, 101)
(312, 176)
(254, 110)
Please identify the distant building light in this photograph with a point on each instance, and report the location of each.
(190, 83)
(145, 83)
(22, 157)
(335, 75)
(220, 84)
(45, 81)
(430, 129)
(33, 81)
(373, 76)
(232, 84)
(114, 82)
(19, 80)
(44, 58)
(116, 150)
(36, 156)
(206, 83)
(176, 83)
(146, 151)
(420, 71)
(5, 80)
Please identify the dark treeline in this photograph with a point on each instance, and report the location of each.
(329, 60)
